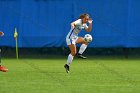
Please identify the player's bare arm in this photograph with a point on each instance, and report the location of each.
(72, 25)
(90, 25)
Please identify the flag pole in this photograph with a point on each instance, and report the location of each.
(15, 36)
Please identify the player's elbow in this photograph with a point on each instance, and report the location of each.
(72, 24)
(88, 30)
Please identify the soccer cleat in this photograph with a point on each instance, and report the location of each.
(67, 68)
(3, 69)
(81, 56)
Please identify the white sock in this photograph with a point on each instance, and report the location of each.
(69, 60)
(82, 48)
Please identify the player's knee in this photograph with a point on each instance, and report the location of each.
(73, 53)
(86, 43)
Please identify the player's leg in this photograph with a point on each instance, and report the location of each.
(3, 69)
(83, 47)
(72, 48)
(72, 54)
(71, 44)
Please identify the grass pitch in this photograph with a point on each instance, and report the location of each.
(93, 75)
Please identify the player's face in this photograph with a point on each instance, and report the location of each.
(85, 19)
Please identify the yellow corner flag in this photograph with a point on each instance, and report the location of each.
(15, 37)
(15, 33)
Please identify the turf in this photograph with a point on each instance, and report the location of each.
(86, 76)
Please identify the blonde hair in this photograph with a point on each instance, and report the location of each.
(83, 16)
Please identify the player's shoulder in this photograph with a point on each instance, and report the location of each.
(78, 22)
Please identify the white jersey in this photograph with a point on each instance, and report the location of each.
(78, 27)
(73, 34)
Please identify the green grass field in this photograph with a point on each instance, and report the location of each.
(93, 75)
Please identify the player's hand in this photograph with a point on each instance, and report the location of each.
(90, 21)
(72, 25)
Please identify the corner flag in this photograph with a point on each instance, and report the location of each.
(15, 37)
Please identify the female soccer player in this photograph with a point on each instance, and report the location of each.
(72, 38)
(3, 69)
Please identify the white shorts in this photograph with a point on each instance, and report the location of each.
(71, 40)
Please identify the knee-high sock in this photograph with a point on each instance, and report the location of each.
(69, 60)
(82, 48)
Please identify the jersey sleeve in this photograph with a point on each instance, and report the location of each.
(79, 21)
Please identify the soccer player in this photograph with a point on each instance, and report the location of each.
(72, 38)
(3, 69)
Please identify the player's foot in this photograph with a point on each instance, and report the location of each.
(81, 56)
(3, 69)
(67, 68)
